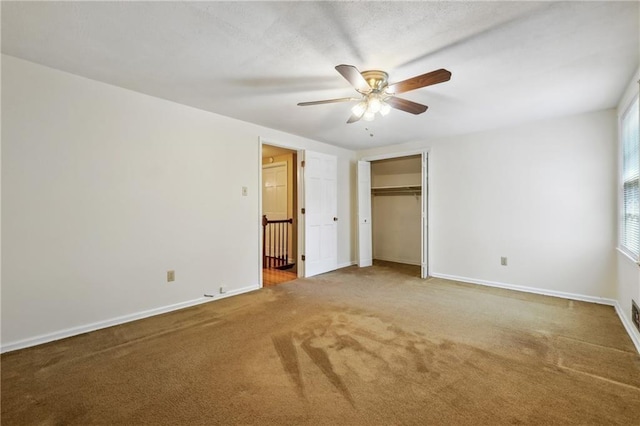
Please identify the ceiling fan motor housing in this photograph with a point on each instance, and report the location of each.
(376, 79)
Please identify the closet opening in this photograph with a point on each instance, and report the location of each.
(392, 212)
(396, 210)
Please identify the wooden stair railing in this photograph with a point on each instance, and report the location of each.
(275, 243)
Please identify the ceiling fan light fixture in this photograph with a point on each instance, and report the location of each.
(374, 104)
(360, 108)
(369, 116)
(385, 108)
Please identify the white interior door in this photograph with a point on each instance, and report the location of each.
(365, 252)
(321, 213)
(274, 191)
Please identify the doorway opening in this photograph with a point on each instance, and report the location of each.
(396, 210)
(393, 210)
(279, 221)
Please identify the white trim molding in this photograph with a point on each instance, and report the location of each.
(561, 294)
(571, 296)
(397, 154)
(626, 254)
(628, 326)
(74, 331)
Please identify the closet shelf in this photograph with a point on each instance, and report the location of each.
(401, 189)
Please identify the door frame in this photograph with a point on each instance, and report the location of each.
(425, 250)
(299, 194)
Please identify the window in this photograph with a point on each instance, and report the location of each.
(630, 180)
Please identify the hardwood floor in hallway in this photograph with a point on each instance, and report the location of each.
(271, 277)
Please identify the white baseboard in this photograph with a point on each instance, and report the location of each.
(74, 331)
(572, 296)
(628, 325)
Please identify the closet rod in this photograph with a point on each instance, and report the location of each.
(397, 193)
(397, 190)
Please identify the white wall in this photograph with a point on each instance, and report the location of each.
(628, 282)
(396, 224)
(541, 194)
(105, 189)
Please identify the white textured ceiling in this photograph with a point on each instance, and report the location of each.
(511, 61)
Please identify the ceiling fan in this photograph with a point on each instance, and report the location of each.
(378, 95)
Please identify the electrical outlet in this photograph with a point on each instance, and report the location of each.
(503, 261)
(171, 276)
(635, 314)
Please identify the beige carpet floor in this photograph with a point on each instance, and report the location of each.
(373, 346)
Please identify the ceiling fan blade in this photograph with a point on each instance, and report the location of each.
(353, 76)
(327, 101)
(428, 79)
(406, 106)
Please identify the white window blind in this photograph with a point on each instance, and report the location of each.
(630, 138)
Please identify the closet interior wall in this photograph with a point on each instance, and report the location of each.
(396, 209)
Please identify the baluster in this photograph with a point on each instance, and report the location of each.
(265, 222)
(279, 242)
(286, 242)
